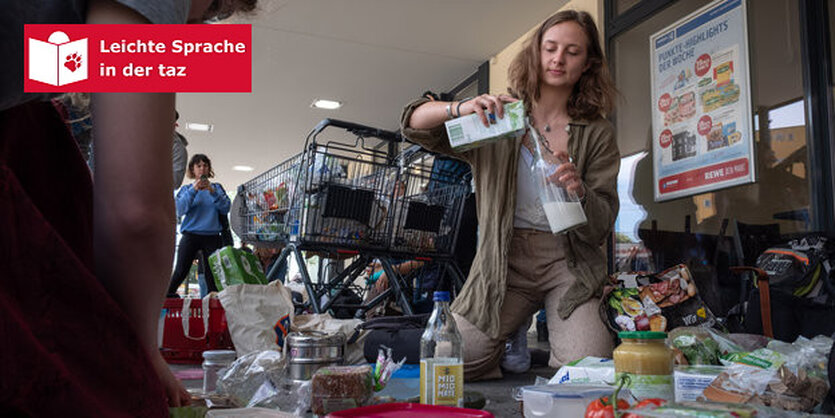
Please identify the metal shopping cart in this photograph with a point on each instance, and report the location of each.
(345, 199)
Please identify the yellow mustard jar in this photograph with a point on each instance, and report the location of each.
(647, 361)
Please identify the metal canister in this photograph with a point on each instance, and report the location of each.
(310, 350)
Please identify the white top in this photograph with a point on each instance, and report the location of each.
(529, 212)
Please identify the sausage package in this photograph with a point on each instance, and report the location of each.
(657, 302)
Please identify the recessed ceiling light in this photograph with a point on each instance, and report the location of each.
(242, 168)
(326, 104)
(202, 127)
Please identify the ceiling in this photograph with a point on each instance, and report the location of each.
(372, 55)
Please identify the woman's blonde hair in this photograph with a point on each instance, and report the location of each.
(593, 95)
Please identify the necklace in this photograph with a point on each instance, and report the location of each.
(548, 127)
(544, 140)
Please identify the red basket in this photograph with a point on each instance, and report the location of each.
(177, 348)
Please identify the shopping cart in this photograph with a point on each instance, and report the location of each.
(266, 203)
(347, 199)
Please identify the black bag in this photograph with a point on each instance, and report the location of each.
(798, 266)
(799, 285)
(400, 333)
(791, 316)
(225, 232)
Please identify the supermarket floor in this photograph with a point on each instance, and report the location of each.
(498, 393)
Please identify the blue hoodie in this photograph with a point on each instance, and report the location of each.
(201, 209)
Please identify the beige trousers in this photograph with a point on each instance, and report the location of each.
(537, 274)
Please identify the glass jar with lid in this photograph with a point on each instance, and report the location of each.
(645, 358)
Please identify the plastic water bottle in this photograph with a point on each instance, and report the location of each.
(441, 358)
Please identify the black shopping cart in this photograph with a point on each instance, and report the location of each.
(346, 199)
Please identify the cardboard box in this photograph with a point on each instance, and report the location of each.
(232, 266)
(469, 132)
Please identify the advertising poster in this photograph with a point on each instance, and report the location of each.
(702, 126)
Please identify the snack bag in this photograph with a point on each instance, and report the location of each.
(668, 300)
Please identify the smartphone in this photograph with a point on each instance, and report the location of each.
(204, 177)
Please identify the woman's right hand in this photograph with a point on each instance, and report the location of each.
(485, 105)
(200, 184)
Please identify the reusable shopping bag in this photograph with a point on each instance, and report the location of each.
(258, 316)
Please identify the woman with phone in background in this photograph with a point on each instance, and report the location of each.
(200, 204)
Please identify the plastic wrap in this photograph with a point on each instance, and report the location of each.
(335, 388)
(805, 354)
(785, 376)
(701, 345)
(707, 410)
(260, 379)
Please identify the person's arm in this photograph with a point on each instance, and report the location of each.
(133, 216)
(434, 113)
(185, 198)
(422, 121)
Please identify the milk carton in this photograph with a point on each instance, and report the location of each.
(469, 132)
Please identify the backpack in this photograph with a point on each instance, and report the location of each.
(796, 295)
(800, 266)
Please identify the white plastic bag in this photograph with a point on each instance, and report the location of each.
(259, 316)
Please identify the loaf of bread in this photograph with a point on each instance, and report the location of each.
(336, 388)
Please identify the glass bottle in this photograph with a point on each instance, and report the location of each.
(562, 207)
(441, 357)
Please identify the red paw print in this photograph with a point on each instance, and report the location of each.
(73, 62)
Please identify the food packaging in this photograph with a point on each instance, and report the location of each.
(569, 401)
(232, 266)
(669, 301)
(691, 381)
(588, 370)
(336, 388)
(469, 132)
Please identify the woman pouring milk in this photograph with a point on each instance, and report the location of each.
(562, 78)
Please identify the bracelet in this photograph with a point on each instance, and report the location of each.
(449, 110)
(458, 108)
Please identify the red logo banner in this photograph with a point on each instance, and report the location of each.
(138, 58)
(702, 176)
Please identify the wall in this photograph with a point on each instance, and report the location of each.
(501, 61)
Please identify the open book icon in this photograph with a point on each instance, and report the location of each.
(58, 61)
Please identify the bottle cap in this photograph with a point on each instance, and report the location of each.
(441, 296)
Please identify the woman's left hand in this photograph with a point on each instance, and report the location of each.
(567, 175)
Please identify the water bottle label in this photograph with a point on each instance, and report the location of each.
(445, 384)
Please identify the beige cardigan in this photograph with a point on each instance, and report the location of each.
(594, 151)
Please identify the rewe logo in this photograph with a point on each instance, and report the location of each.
(58, 61)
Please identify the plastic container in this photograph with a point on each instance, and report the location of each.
(213, 362)
(646, 359)
(557, 401)
(441, 357)
(409, 410)
(179, 348)
(562, 207)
